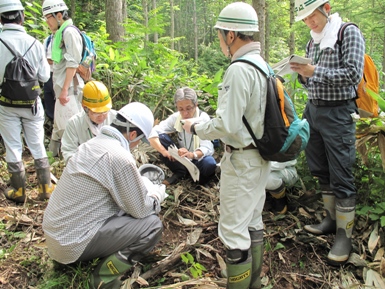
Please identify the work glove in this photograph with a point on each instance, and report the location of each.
(155, 190)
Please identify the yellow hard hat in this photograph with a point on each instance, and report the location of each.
(96, 97)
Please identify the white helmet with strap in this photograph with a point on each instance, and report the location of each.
(240, 17)
(137, 115)
(303, 8)
(10, 6)
(53, 6)
(154, 173)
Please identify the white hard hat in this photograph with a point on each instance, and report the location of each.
(303, 8)
(154, 173)
(238, 16)
(10, 5)
(53, 6)
(139, 115)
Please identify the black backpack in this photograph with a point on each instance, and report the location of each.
(285, 134)
(20, 87)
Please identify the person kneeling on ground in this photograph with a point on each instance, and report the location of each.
(281, 175)
(102, 207)
(198, 151)
(86, 124)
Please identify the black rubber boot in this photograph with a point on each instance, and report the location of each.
(107, 272)
(44, 178)
(279, 201)
(345, 211)
(328, 224)
(16, 192)
(257, 258)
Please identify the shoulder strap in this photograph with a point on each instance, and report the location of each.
(8, 47)
(264, 68)
(340, 35)
(81, 35)
(13, 52)
(29, 47)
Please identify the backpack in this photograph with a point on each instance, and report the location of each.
(20, 87)
(285, 135)
(367, 105)
(88, 63)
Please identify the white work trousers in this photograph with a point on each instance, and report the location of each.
(64, 113)
(242, 196)
(15, 120)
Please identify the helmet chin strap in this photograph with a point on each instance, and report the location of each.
(128, 126)
(64, 14)
(229, 55)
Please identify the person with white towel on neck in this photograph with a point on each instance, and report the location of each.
(331, 80)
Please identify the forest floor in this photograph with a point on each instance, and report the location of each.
(292, 257)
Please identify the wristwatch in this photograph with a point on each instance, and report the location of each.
(195, 155)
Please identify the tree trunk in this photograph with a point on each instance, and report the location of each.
(73, 9)
(195, 31)
(259, 6)
(145, 19)
(156, 33)
(292, 34)
(383, 62)
(172, 28)
(115, 17)
(266, 45)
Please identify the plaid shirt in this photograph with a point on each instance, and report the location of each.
(100, 180)
(338, 71)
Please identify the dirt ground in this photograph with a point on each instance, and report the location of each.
(292, 258)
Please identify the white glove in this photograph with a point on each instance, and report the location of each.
(154, 190)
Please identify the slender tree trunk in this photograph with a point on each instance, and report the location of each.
(73, 9)
(156, 33)
(195, 31)
(383, 62)
(145, 18)
(259, 6)
(172, 28)
(266, 45)
(292, 34)
(115, 17)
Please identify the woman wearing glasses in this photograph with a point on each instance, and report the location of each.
(192, 147)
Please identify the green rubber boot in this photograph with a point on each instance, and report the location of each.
(345, 211)
(239, 275)
(257, 258)
(107, 272)
(328, 224)
(16, 192)
(44, 178)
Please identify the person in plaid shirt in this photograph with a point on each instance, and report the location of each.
(331, 111)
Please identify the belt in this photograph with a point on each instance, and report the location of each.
(229, 148)
(320, 102)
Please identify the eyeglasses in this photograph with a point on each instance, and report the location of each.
(187, 109)
(48, 17)
(98, 113)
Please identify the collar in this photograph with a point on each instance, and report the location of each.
(112, 132)
(13, 26)
(252, 46)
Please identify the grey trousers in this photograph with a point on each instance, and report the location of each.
(331, 151)
(125, 234)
